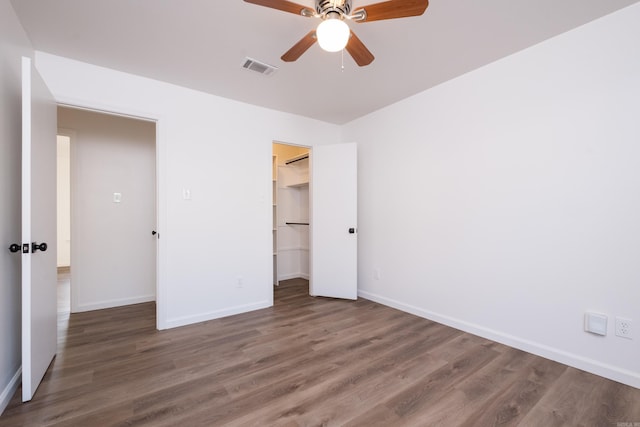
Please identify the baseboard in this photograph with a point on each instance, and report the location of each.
(10, 390)
(216, 314)
(113, 303)
(589, 365)
(293, 276)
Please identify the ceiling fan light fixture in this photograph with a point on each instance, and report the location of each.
(333, 34)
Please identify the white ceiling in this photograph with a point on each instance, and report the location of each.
(201, 44)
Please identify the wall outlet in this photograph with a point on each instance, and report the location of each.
(376, 273)
(239, 282)
(624, 328)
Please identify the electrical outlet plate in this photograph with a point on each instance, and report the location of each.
(595, 323)
(624, 328)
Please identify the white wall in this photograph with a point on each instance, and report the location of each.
(113, 250)
(64, 201)
(506, 202)
(13, 44)
(218, 149)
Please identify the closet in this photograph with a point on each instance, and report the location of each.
(290, 174)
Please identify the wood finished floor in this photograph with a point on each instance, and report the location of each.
(306, 362)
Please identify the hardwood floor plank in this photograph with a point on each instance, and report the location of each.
(516, 399)
(348, 385)
(305, 362)
(583, 399)
(407, 404)
(457, 404)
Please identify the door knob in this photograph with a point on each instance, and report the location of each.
(38, 247)
(14, 248)
(154, 232)
(352, 230)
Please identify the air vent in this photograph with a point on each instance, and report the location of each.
(259, 67)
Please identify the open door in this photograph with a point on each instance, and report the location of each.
(39, 312)
(334, 215)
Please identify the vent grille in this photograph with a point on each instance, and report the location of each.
(259, 67)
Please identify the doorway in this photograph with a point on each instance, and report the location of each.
(63, 203)
(112, 210)
(290, 213)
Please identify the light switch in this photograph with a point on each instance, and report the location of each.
(117, 197)
(186, 194)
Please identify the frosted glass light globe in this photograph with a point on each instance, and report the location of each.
(333, 34)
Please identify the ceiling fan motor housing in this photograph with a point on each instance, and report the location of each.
(342, 7)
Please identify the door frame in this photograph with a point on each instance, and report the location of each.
(318, 282)
(160, 184)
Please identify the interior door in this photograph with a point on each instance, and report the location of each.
(334, 215)
(39, 309)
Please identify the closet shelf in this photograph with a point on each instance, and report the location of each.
(297, 159)
(299, 184)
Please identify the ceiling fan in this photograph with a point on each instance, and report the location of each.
(333, 34)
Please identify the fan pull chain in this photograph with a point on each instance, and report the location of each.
(342, 59)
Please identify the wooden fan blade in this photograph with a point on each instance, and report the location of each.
(359, 51)
(301, 47)
(285, 6)
(392, 9)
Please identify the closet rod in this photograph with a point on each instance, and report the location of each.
(297, 159)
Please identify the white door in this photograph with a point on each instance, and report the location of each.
(39, 281)
(334, 215)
